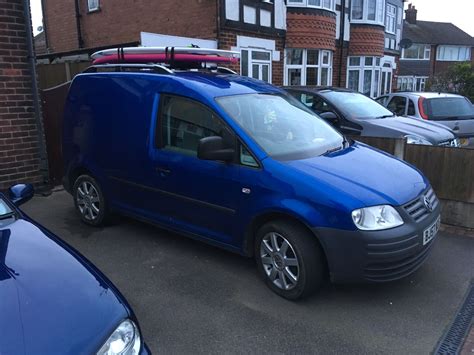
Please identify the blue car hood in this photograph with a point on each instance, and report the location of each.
(52, 301)
(367, 176)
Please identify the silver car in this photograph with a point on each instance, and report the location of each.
(453, 111)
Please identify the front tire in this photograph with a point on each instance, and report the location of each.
(289, 259)
(89, 201)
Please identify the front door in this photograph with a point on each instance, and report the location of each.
(386, 83)
(200, 196)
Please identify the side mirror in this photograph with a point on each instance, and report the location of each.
(213, 148)
(21, 193)
(330, 117)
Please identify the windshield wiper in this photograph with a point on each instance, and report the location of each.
(7, 215)
(329, 151)
(385, 116)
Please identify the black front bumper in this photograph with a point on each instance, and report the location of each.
(377, 256)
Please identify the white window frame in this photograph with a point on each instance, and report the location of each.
(93, 8)
(391, 19)
(379, 15)
(426, 52)
(362, 68)
(259, 62)
(307, 3)
(304, 66)
(441, 53)
(411, 83)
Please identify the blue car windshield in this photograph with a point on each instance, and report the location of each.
(282, 126)
(355, 105)
(5, 210)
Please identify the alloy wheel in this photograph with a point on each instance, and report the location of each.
(88, 200)
(279, 261)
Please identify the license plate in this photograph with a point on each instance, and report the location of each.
(430, 232)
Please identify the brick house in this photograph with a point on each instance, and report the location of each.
(435, 46)
(20, 123)
(287, 42)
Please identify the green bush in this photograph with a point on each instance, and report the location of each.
(458, 79)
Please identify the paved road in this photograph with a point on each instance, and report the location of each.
(193, 298)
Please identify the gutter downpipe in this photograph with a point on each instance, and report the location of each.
(341, 39)
(80, 40)
(43, 166)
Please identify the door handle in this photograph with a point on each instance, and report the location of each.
(162, 171)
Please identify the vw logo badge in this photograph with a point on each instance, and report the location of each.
(427, 203)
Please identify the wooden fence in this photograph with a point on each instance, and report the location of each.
(51, 75)
(449, 170)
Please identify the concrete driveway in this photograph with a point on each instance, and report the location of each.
(193, 298)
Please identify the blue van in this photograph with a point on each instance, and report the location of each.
(242, 165)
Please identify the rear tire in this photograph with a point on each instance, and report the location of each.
(289, 259)
(89, 201)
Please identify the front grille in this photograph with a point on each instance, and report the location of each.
(389, 267)
(418, 209)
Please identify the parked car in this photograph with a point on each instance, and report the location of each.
(53, 300)
(356, 114)
(450, 110)
(240, 164)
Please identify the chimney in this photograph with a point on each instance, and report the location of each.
(410, 14)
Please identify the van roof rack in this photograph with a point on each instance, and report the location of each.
(151, 68)
(155, 68)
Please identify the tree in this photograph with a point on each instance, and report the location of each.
(459, 78)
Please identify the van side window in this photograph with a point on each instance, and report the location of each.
(246, 158)
(184, 122)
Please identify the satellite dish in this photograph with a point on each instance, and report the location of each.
(40, 29)
(406, 43)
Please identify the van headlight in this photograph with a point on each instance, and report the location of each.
(417, 140)
(376, 218)
(125, 340)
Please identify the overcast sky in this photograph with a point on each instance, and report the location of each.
(459, 12)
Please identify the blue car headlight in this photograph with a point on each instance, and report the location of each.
(125, 340)
(376, 218)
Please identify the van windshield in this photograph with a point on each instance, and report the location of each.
(282, 127)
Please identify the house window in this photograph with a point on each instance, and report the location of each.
(322, 4)
(256, 63)
(411, 83)
(371, 11)
(391, 19)
(363, 75)
(417, 52)
(308, 67)
(453, 53)
(93, 5)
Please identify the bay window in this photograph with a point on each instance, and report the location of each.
(417, 52)
(363, 75)
(322, 4)
(411, 83)
(453, 53)
(368, 11)
(308, 67)
(391, 19)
